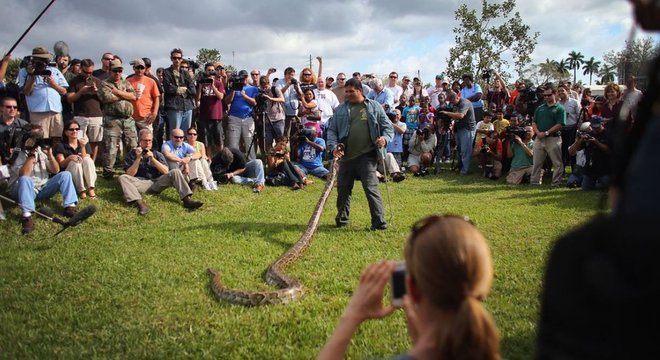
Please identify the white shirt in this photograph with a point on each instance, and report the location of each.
(326, 101)
(397, 91)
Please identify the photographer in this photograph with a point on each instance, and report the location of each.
(230, 165)
(464, 127)
(30, 179)
(420, 149)
(292, 94)
(210, 92)
(488, 149)
(43, 87)
(499, 94)
(12, 130)
(280, 169)
(240, 124)
(82, 93)
(147, 172)
(443, 131)
(520, 151)
(310, 154)
(270, 105)
(597, 144)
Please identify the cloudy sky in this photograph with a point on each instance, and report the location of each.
(351, 35)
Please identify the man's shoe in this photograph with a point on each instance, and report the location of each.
(143, 208)
(340, 224)
(107, 175)
(398, 177)
(193, 185)
(69, 211)
(258, 188)
(28, 224)
(189, 203)
(379, 227)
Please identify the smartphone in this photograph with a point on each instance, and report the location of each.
(398, 284)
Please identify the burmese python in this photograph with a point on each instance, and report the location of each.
(291, 288)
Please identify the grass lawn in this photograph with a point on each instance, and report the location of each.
(123, 286)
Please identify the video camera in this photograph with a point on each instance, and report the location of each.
(304, 133)
(236, 82)
(16, 139)
(39, 65)
(513, 131)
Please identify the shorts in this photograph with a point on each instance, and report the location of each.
(92, 127)
(50, 122)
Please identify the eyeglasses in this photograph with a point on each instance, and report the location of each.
(139, 67)
(192, 134)
(117, 70)
(547, 95)
(176, 58)
(177, 137)
(11, 107)
(73, 129)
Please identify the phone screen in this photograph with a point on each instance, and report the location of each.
(398, 285)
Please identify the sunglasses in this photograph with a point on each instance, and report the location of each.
(178, 137)
(307, 74)
(139, 67)
(393, 77)
(73, 129)
(192, 134)
(254, 74)
(176, 58)
(11, 107)
(117, 70)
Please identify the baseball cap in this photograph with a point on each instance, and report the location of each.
(138, 62)
(406, 78)
(439, 77)
(147, 62)
(596, 121)
(115, 64)
(243, 73)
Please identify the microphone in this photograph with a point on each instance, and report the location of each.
(50, 215)
(81, 216)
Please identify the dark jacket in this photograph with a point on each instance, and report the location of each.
(173, 101)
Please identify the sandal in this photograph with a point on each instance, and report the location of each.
(92, 194)
(82, 195)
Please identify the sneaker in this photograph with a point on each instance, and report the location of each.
(28, 224)
(191, 204)
(258, 188)
(69, 211)
(207, 186)
(339, 224)
(398, 177)
(214, 185)
(143, 208)
(3, 216)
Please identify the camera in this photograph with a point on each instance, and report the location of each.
(512, 131)
(39, 65)
(304, 133)
(236, 82)
(306, 87)
(193, 64)
(272, 70)
(398, 284)
(294, 81)
(89, 81)
(585, 102)
(487, 74)
(207, 80)
(585, 136)
(485, 148)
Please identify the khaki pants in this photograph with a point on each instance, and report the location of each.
(83, 174)
(133, 187)
(91, 128)
(390, 163)
(51, 123)
(114, 131)
(199, 169)
(548, 146)
(515, 177)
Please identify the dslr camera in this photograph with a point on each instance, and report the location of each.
(39, 65)
(304, 133)
(512, 131)
(236, 82)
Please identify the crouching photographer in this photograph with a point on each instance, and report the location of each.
(520, 151)
(488, 150)
(280, 169)
(420, 150)
(29, 179)
(597, 144)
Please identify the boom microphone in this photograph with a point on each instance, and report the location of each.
(81, 216)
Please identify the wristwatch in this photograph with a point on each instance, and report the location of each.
(547, 133)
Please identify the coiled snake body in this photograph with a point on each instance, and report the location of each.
(290, 288)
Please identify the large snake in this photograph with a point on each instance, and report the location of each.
(290, 288)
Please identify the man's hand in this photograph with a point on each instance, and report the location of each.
(138, 152)
(320, 59)
(540, 135)
(380, 142)
(49, 80)
(518, 139)
(338, 152)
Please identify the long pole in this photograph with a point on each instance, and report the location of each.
(30, 27)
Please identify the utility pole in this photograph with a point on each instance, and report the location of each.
(233, 59)
(310, 61)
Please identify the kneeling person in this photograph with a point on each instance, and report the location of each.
(522, 157)
(310, 153)
(146, 171)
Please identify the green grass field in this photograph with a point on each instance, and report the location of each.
(123, 286)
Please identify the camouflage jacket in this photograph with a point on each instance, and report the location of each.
(117, 109)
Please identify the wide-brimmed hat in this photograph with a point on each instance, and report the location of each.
(41, 52)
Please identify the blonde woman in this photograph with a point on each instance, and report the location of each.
(204, 171)
(449, 271)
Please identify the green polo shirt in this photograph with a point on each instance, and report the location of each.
(546, 116)
(359, 139)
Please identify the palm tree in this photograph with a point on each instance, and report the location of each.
(547, 69)
(607, 73)
(562, 67)
(590, 67)
(575, 59)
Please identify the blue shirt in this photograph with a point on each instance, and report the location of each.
(396, 145)
(383, 97)
(467, 92)
(181, 151)
(145, 169)
(241, 108)
(43, 97)
(310, 158)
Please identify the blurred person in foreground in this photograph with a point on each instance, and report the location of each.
(448, 272)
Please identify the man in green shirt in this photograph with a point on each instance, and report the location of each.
(549, 118)
(364, 129)
(521, 153)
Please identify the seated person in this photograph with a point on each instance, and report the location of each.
(444, 314)
(29, 180)
(280, 169)
(204, 162)
(231, 165)
(520, 150)
(73, 154)
(183, 156)
(420, 150)
(596, 142)
(395, 147)
(488, 149)
(310, 155)
(146, 171)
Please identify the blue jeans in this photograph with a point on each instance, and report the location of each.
(179, 120)
(24, 192)
(319, 171)
(254, 171)
(595, 182)
(464, 140)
